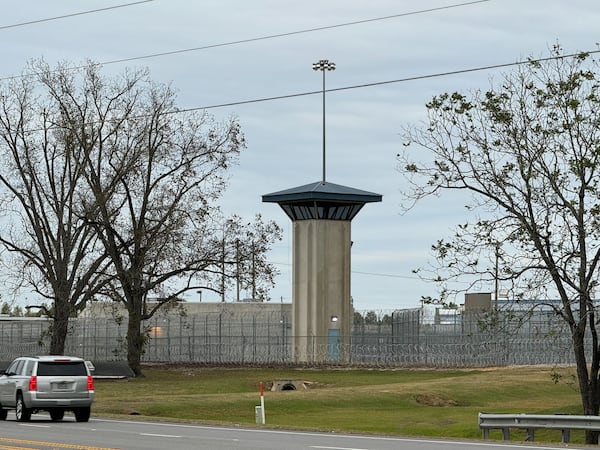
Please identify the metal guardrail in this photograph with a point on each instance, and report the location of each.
(530, 422)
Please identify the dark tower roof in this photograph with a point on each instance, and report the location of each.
(326, 201)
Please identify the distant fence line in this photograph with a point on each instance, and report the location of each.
(266, 338)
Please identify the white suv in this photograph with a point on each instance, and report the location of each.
(51, 383)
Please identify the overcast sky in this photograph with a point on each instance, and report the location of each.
(252, 50)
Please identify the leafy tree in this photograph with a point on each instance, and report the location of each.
(357, 319)
(527, 151)
(53, 251)
(387, 319)
(371, 318)
(154, 174)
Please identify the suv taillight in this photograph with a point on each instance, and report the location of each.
(33, 383)
(90, 383)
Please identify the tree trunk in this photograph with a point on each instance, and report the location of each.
(588, 385)
(590, 408)
(59, 327)
(135, 342)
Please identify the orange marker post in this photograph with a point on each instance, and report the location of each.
(262, 403)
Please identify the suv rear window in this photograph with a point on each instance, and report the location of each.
(51, 368)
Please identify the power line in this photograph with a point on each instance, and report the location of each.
(380, 83)
(290, 33)
(31, 22)
(373, 274)
(386, 275)
(376, 83)
(242, 41)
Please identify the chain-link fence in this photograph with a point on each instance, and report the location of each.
(404, 338)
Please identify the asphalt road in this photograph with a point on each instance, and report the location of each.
(101, 434)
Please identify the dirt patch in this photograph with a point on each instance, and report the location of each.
(434, 400)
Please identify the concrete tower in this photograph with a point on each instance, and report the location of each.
(321, 214)
(322, 312)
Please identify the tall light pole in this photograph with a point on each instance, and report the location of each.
(323, 65)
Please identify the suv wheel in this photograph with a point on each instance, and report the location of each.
(22, 412)
(3, 413)
(57, 414)
(82, 414)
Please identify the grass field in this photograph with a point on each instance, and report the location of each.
(432, 403)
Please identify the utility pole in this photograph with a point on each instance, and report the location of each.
(496, 274)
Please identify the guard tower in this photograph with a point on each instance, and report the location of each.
(322, 310)
(321, 214)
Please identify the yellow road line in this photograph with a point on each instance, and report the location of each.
(54, 445)
(7, 447)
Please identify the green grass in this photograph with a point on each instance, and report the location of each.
(432, 403)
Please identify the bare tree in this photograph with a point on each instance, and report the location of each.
(155, 174)
(527, 153)
(52, 250)
(249, 243)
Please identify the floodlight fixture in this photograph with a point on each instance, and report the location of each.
(323, 64)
